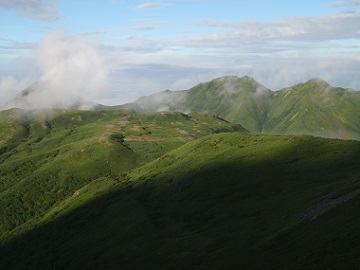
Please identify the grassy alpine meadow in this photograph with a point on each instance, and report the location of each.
(223, 201)
(46, 156)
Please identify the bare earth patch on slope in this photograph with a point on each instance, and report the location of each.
(328, 204)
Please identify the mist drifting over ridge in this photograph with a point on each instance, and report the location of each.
(71, 70)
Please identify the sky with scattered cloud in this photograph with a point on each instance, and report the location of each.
(143, 47)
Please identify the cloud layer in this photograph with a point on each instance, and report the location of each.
(352, 3)
(152, 5)
(9, 88)
(35, 9)
(150, 51)
(71, 70)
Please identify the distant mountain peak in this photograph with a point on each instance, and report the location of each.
(235, 78)
(318, 81)
(314, 85)
(38, 96)
(248, 78)
(225, 78)
(313, 107)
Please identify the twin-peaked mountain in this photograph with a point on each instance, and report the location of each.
(313, 108)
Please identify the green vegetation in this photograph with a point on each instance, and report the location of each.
(237, 100)
(218, 202)
(47, 156)
(121, 188)
(312, 108)
(315, 108)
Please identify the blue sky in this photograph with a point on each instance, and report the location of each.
(142, 47)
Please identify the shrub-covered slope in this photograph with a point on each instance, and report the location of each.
(223, 201)
(45, 156)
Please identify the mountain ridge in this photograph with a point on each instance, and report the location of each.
(311, 108)
(37, 96)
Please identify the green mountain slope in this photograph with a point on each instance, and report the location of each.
(225, 200)
(45, 156)
(313, 108)
(238, 100)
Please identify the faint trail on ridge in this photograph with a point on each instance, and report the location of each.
(327, 204)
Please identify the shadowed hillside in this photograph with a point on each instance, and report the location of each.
(45, 156)
(216, 202)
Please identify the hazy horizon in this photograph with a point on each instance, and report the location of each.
(115, 51)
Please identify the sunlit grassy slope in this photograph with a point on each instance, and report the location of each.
(45, 156)
(315, 108)
(225, 201)
(236, 99)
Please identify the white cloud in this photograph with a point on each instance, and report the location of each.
(94, 33)
(297, 36)
(276, 34)
(70, 68)
(35, 9)
(152, 5)
(10, 87)
(148, 25)
(276, 53)
(274, 72)
(279, 72)
(8, 47)
(352, 3)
